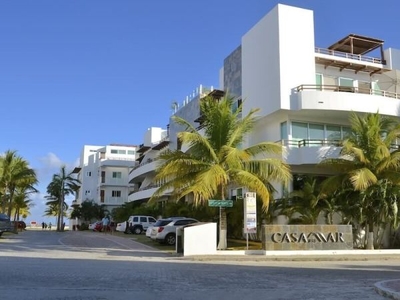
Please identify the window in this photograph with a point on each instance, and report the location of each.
(346, 84)
(239, 194)
(131, 152)
(87, 192)
(88, 174)
(102, 196)
(299, 131)
(284, 131)
(116, 175)
(117, 151)
(103, 176)
(318, 81)
(116, 194)
(316, 131)
(143, 219)
(333, 133)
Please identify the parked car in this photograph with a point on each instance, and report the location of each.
(5, 224)
(138, 224)
(96, 226)
(164, 231)
(20, 225)
(149, 229)
(121, 227)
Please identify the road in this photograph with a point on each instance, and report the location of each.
(87, 265)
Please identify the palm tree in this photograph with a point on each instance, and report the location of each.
(305, 204)
(215, 160)
(62, 184)
(21, 203)
(369, 166)
(14, 173)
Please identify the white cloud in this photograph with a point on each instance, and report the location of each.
(49, 165)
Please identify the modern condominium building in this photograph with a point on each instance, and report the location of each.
(103, 172)
(305, 93)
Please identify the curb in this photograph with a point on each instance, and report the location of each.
(381, 289)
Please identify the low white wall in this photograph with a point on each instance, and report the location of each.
(200, 239)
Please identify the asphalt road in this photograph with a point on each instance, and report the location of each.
(87, 265)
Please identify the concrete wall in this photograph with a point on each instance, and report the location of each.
(200, 239)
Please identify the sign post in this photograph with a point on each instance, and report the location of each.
(250, 215)
(222, 204)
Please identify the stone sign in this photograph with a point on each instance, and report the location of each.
(307, 237)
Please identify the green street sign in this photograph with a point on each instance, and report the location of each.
(220, 203)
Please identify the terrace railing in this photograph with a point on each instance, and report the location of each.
(347, 89)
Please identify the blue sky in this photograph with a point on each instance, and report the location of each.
(100, 72)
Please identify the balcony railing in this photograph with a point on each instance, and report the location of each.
(347, 89)
(358, 57)
(320, 143)
(310, 143)
(147, 161)
(147, 187)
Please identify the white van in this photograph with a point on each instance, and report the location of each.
(138, 224)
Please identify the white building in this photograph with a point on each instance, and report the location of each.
(103, 172)
(142, 174)
(305, 93)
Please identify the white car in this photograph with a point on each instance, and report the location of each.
(121, 227)
(164, 230)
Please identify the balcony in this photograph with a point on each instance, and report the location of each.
(143, 193)
(117, 162)
(350, 53)
(113, 181)
(113, 201)
(343, 98)
(145, 167)
(313, 151)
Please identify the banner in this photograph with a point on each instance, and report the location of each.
(250, 212)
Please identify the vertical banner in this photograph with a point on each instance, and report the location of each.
(250, 212)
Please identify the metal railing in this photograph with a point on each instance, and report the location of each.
(358, 57)
(320, 143)
(310, 143)
(347, 89)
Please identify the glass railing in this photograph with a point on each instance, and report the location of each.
(347, 89)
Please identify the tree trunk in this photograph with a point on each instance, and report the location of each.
(222, 243)
(61, 212)
(370, 238)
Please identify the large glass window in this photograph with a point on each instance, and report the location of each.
(284, 135)
(333, 133)
(299, 131)
(316, 131)
(346, 131)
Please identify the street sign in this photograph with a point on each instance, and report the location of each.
(220, 203)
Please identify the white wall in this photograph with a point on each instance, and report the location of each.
(341, 101)
(277, 55)
(200, 239)
(154, 135)
(392, 57)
